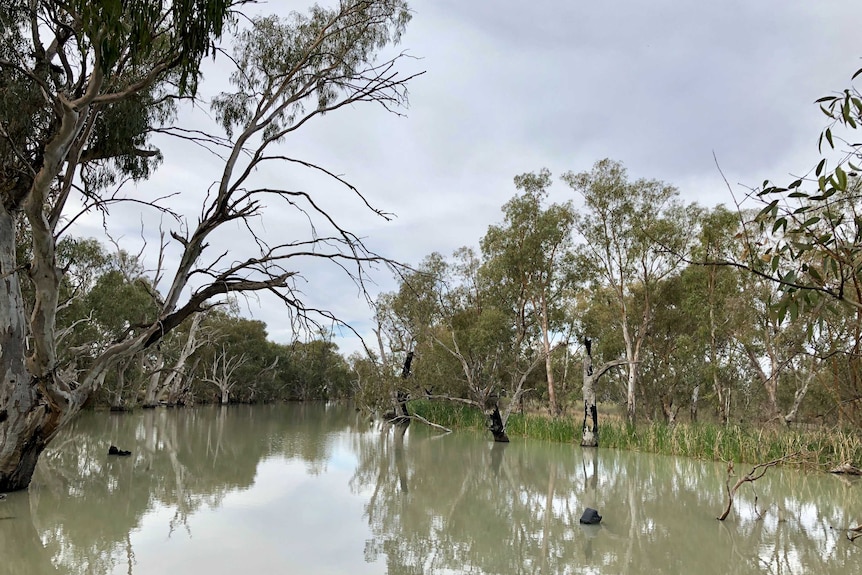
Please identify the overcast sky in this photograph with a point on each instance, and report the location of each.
(511, 87)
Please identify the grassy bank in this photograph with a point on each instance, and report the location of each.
(825, 448)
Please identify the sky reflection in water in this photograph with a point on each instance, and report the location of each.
(309, 489)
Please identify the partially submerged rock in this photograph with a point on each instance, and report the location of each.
(113, 450)
(590, 517)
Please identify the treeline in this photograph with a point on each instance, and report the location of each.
(215, 357)
(691, 311)
(681, 320)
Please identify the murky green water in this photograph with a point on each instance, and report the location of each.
(309, 489)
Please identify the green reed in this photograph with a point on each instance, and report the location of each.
(821, 447)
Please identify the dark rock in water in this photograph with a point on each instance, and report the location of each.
(590, 516)
(114, 451)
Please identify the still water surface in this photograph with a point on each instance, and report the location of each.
(313, 489)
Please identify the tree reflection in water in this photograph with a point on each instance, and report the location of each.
(431, 504)
(471, 507)
(182, 461)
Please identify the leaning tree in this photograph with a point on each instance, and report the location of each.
(83, 85)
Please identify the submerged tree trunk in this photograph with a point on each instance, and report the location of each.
(400, 412)
(496, 425)
(398, 452)
(117, 400)
(590, 434)
(151, 397)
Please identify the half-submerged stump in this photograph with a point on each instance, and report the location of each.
(399, 413)
(113, 450)
(496, 426)
(590, 430)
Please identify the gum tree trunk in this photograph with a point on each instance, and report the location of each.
(29, 415)
(496, 425)
(590, 435)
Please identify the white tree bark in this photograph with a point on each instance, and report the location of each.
(590, 433)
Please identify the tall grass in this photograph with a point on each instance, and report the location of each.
(819, 447)
(823, 447)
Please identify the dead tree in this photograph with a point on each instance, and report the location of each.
(222, 373)
(401, 415)
(329, 60)
(590, 436)
(756, 473)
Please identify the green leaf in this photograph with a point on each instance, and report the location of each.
(798, 195)
(794, 310)
(842, 179)
(859, 71)
(782, 312)
(780, 222)
(829, 138)
(772, 205)
(815, 275)
(820, 166)
(810, 221)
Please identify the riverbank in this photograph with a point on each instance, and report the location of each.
(821, 448)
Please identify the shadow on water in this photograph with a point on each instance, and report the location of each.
(361, 499)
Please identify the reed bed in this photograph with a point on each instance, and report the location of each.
(821, 447)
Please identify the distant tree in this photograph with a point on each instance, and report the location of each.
(631, 231)
(528, 255)
(471, 344)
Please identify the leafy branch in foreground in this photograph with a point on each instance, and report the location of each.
(810, 230)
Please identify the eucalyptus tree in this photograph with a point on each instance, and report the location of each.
(64, 67)
(320, 372)
(810, 243)
(672, 361)
(471, 344)
(528, 255)
(716, 298)
(67, 68)
(810, 234)
(774, 346)
(631, 233)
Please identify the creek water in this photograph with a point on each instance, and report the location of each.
(316, 489)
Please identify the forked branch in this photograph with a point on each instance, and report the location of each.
(756, 473)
